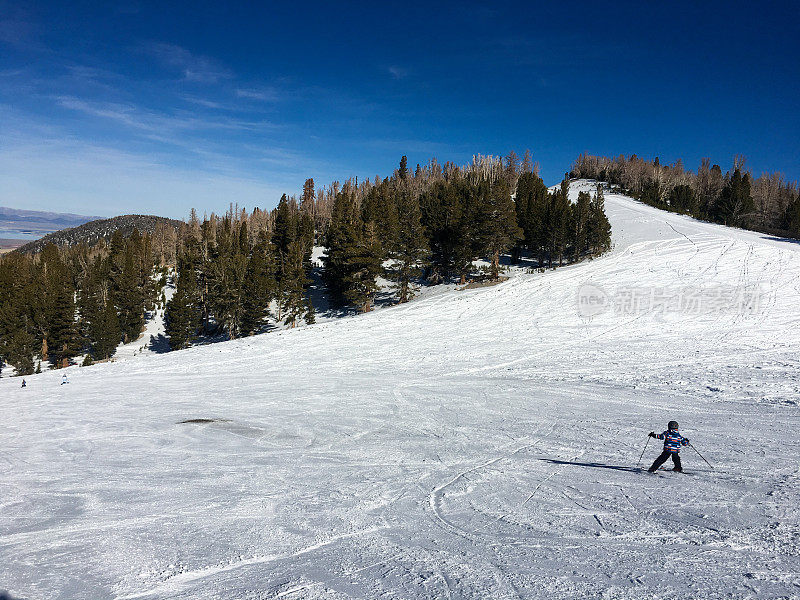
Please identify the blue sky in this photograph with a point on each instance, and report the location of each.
(110, 108)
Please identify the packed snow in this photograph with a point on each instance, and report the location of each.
(470, 444)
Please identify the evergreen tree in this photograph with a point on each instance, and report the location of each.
(183, 318)
(18, 343)
(409, 245)
(734, 203)
(599, 228)
(497, 225)
(63, 338)
(354, 253)
(531, 203)
(293, 239)
(226, 284)
(556, 219)
(363, 267)
(403, 171)
(21, 349)
(295, 305)
(105, 333)
(579, 225)
(682, 198)
(259, 286)
(342, 236)
(441, 208)
(129, 284)
(791, 218)
(285, 227)
(380, 206)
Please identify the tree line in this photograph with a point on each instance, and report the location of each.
(246, 272)
(768, 204)
(236, 272)
(243, 273)
(65, 302)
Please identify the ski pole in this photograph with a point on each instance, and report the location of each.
(642, 454)
(701, 456)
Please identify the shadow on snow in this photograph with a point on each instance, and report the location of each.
(594, 465)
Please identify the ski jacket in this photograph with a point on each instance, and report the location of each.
(672, 440)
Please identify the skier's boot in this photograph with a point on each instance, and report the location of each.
(678, 470)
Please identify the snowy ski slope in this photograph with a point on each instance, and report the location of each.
(475, 444)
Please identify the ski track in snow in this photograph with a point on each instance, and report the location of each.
(473, 444)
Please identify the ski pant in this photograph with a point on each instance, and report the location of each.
(662, 458)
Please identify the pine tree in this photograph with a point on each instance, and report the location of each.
(734, 204)
(129, 284)
(18, 343)
(598, 227)
(409, 245)
(530, 204)
(354, 252)
(226, 290)
(403, 171)
(555, 225)
(293, 239)
(497, 222)
(580, 213)
(294, 303)
(259, 286)
(341, 236)
(791, 218)
(441, 208)
(63, 338)
(183, 318)
(380, 206)
(285, 227)
(682, 198)
(99, 319)
(363, 267)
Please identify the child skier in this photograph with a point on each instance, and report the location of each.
(672, 446)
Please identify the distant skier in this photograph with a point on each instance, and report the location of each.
(64, 379)
(672, 446)
(24, 384)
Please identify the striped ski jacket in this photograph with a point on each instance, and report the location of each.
(672, 440)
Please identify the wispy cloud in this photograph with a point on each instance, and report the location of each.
(158, 122)
(47, 168)
(193, 67)
(11, 72)
(398, 72)
(260, 94)
(207, 103)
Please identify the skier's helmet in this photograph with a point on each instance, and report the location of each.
(672, 425)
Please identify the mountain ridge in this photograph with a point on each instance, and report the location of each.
(93, 231)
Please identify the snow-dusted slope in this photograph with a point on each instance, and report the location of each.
(475, 444)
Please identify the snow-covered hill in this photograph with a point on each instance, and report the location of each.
(474, 444)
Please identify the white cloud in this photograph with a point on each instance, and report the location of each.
(42, 167)
(98, 180)
(262, 94)
(196, 68)
(159, 122)
(398, 72)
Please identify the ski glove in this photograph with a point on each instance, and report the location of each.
(652, 434)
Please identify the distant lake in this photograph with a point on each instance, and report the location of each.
(20, 234)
